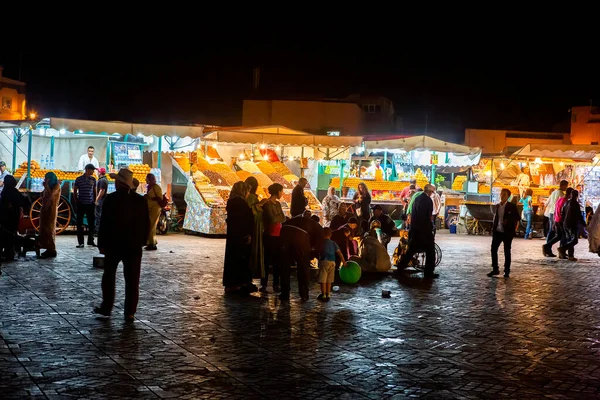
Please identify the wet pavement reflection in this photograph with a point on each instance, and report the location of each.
(463, 335)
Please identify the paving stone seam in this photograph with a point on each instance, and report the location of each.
(78, 331)
(75, 283)
(11, 350)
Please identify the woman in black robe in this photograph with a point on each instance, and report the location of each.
(11, 204)
(237, 275)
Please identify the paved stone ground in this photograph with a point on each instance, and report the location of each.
(535, 335)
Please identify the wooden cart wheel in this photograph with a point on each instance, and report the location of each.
(63, 217)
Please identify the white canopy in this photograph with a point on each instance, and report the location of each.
(421, 143)
(280, 136)
(123, 128)
(576, 152)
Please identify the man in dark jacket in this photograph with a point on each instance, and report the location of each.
(299, 201)
(420, 233)
(301, 240)
(124, 227)
(506, 218)
(572, 220)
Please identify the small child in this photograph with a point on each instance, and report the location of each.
(327, 265)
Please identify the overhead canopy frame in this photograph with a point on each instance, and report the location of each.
(421, 143)
(580, 153)
(280, 136)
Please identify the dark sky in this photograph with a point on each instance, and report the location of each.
(526, 83)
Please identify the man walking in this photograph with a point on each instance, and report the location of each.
(506, 218)
(420, 233)
(84, 193)
(549, 212)
(124, 227)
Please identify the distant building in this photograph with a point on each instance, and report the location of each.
(507, 141)
(12, 95)
(354, 115)
(585, 125)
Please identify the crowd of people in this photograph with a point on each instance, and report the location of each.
(262, 240)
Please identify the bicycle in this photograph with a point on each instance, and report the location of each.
(418, 260)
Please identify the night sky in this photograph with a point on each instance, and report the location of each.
(521, 84)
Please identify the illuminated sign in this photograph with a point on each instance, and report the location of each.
(333, 133)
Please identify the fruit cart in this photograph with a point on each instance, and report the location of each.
(67, 208)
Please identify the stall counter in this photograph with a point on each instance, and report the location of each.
(201, 218)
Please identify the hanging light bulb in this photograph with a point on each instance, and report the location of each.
(214, 145)
(241, 156)
(501, 165)
(538, 160)
(278, 148)
(262, 146)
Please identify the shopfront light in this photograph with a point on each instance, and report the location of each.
(501, 165)
(262, 146)
(241, 156)
(538, 160)
(278, 148)
(42, 131)
(62, 131)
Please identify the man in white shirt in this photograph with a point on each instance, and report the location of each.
(88, 158)
(549, 213)
(437, 206)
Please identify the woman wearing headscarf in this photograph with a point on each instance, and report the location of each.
(362, 206)
(48, 214)
(11, 205)
(240, 226)
(331, 205)
(257, 264)
(154, 197)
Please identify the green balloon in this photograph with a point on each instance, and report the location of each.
(350, 273)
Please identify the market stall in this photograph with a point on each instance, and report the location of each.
(539, 167)
(271, 154)
(55, 144)
(392, 163)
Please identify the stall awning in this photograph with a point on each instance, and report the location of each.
(576, 152)
(123, 128)
(421, 143)
(281, 136)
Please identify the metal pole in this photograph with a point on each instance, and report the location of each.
(29, 144)
(159, 158)
(385, 177)
(107, 153)
(14, 160)
(52, 146)
(301, 159)
(341, 176)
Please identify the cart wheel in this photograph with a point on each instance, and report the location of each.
(63, 217)
(163, 225)
(470, 225)
(438, 255)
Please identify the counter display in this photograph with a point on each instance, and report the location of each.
(210, 184)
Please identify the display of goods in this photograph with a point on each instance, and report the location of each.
(41, 173)
(281, 168)
(277, 178)
(215, 178)
(219, 167)
(287, 198)
(484, 188)
(230, 177)
(201, 163)
(209, 194)
(313, 203)
(243, 175)
(200, 177)
(261, 193)
(248, 166)
(140, 169)
(34, 165)
(224, 193)
(458, 182)
(422, 180)
(263, 180)
(352, 183)
(266, 167)
(184, 162)
(291, 178)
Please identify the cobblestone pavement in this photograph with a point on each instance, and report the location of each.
(462, 336)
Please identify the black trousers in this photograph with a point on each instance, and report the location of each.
(497, 239)
(417, 242)
(88, 211)
(132, 261)
(272, 255)
(295, 248)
